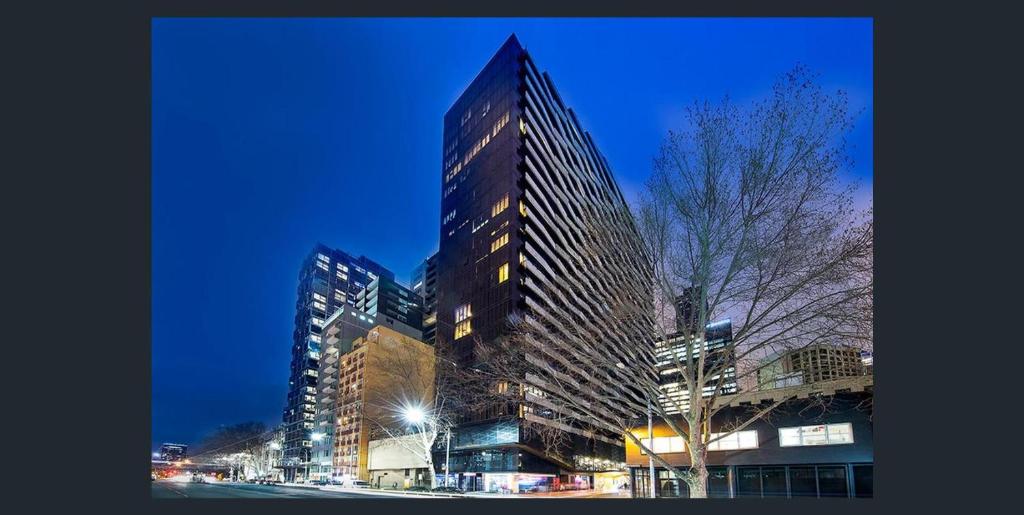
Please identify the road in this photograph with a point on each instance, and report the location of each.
(168, 489)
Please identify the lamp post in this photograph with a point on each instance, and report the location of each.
(447, 461)
(650, 438)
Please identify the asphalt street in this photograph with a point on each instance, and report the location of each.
(168, 489)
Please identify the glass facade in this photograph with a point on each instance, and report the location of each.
(764, 481)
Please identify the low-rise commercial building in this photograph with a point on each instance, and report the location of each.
(397, 462)
(818, 444)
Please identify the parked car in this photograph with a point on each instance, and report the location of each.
(449, 490)
(358, 483)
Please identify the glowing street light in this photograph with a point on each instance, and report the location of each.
(275, 446)
(317, 436)
(414, 414)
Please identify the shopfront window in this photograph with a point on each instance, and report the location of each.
(802, 482)
(748, 482)
(773, 481)
(718, 483)
(832, 481)
(863, 480)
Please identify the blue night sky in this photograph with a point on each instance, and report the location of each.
(272, 134)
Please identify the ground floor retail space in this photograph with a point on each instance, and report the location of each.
(824, 480)
(515, 482)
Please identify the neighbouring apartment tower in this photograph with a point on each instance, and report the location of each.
(811, 364)
(424, 283)
(328, 279)
(381, 371)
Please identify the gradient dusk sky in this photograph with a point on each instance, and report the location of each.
(272, 134)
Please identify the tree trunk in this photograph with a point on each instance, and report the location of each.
(430, 469)
(698, 481)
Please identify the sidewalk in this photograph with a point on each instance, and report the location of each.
(568, 494)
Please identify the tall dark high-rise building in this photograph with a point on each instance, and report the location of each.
(521, 181)
(328, 280)
(687, 314)
(424, 283)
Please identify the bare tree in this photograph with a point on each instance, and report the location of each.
(744, 218)
(245, 448)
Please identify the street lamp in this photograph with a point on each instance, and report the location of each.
(317, 436)
(414, 414)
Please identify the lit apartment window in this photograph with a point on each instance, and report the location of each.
(463, 328)
(522, 258)
(522, 126)
(314, 338)
(320, 305)
(502, 273)
(733, 441)
(522, 207)
(319, 297)
(499, 242)
(450, 216)
(463, 315)
(323, 265)
(824, 434)
(342, 276)
(500, 206)
(322, 257)
(463, 312)
(500, 124)
(664, 444)
(319, 322)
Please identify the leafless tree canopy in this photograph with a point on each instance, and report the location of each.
(744, 213)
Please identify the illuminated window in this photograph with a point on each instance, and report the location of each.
(467, 116)
(522, 207)
(342, 267)
(343, 277)
(522, 258)
(318, 322)
(824, 434)
(322, 265)
(463, 328)
(499, 206)
(322, 257)
(664, 444)
(463, 315)
(314, 338)
(522, 126)
(500, 242)
(502, 387)
(500, 124)
(733, 441)
(319, 305)
(502, 273)
(463, 312)
(450, 216)
(319, 297)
